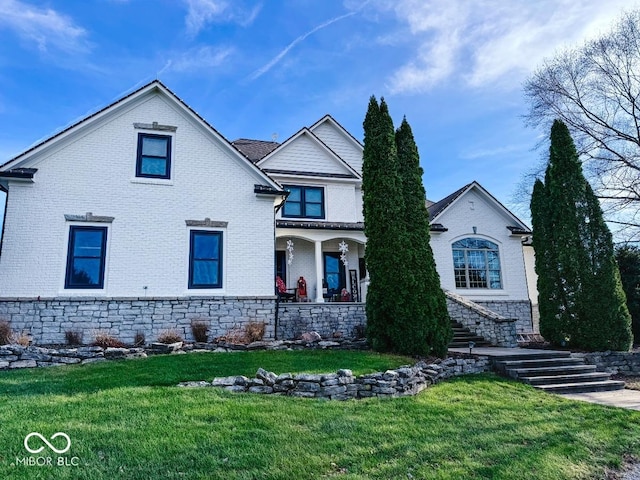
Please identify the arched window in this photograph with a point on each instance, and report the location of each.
(476, 264)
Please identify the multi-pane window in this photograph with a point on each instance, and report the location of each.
(154, 156)
(304, 202)
(476, 264)
(86, 257)
(205, 259)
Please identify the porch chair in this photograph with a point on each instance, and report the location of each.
(283, 292)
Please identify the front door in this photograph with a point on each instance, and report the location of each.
(334, 273)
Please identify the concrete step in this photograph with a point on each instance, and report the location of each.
(549, 371)
(540, 362)
(574, 378)
(582, 387)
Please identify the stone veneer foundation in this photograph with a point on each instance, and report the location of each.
(46, 320)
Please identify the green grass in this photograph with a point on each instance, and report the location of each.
(127, 420)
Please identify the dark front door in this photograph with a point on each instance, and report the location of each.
(281, 265)
(334, 273)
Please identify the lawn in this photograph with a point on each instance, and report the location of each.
(127, 420)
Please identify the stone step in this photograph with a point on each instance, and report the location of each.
(548, 371)
(540, 362)
(532, 355)
(456, 344)
(582, 387)
(574, 378)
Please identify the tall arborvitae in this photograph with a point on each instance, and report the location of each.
(425, 327)
(383, 207)
(580, 295)
(551, 326)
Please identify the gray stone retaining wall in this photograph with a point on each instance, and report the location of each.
(626, 363)
(46, 320)
(343, 385)
(496, 329)
(348, 319)
(518, 309)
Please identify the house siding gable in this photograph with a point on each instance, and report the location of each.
(304, 155)
(337, 142)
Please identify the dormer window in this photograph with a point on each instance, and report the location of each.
(304, 202)
(154, 156)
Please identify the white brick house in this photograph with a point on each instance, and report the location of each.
(142, 200)
(143, 218)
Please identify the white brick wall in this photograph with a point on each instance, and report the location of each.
(473, 210)
(148, 243)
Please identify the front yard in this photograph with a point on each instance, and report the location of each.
(126, 419)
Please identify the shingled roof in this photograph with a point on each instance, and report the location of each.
(254, 150)
(436, 208)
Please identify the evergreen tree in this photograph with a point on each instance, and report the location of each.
(628, 258)
(580, 294)
(426, 327)
(383, 207)
(548, 283)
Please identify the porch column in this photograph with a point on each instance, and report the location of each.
(319, 270)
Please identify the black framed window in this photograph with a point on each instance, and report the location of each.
(476, 264)
(205, 259)
(154, 156)
(86, 257)
(307, 202)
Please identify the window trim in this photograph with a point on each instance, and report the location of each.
(486, 269)
(303, 202)
(141, 137)
(200, 286)
(68, 285)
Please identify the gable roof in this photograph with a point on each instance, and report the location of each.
(155, 86)
(438, 208)
(304, 131)
(329, 119)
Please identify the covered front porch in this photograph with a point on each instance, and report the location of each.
(330, 262)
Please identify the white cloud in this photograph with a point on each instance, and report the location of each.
(44, 27)
(202, 12)
(489, 41)
(201, 58)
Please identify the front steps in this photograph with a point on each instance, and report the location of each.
(462, 336)
(556, 372)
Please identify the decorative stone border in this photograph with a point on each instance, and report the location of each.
(18, 356)
(343, 385)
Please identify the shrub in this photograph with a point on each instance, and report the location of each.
(250, 332)
(200, 331)
(23, 340)
(139, 340)
(6, 334)
(169, 336)
(104, 340)
(73, 337)
(255, 331)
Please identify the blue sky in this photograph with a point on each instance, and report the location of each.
(257, 68)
